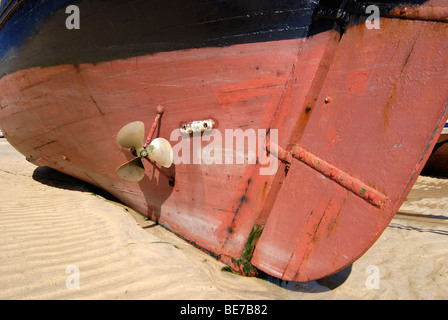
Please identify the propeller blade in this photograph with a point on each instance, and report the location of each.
(132, 135)
(132, 171)
(160, 151)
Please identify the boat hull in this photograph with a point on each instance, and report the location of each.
(347, 111)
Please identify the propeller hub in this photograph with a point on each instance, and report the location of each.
(143, 153)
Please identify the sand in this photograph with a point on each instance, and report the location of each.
(61, 239)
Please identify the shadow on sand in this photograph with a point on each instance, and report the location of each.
(56, 179)
(322, 285)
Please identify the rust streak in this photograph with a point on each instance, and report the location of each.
(425, 13)
(96, 105)
(45, 144)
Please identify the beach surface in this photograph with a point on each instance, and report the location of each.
(62, 239)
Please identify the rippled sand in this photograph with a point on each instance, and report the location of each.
(54, 227)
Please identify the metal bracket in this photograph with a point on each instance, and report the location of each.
(342, 178)
(156, 122)
(197, 126)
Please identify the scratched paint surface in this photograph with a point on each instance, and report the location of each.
(94, 101)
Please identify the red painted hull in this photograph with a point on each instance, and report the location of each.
(370, 105)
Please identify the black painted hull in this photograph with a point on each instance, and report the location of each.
(33, 32)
